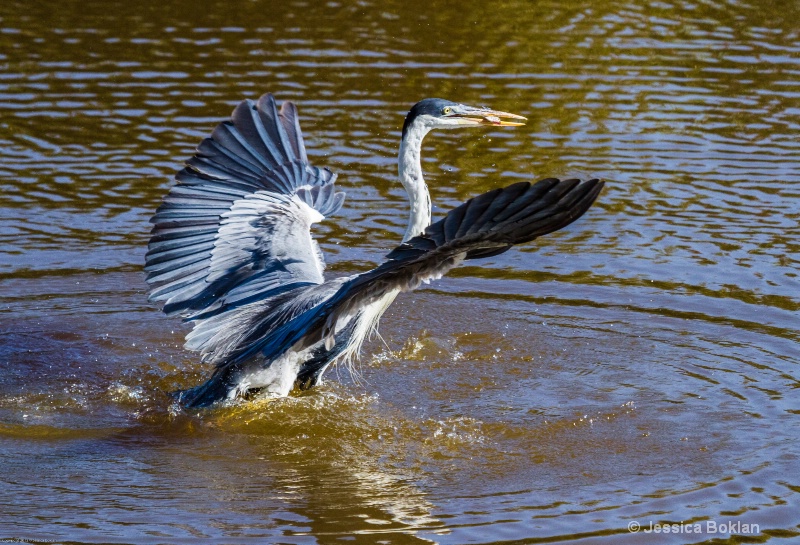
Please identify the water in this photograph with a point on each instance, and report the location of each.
(640, 366)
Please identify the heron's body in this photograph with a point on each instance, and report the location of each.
(232, 252)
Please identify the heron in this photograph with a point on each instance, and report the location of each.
(231, 249)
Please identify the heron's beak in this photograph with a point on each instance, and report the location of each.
(484, 116)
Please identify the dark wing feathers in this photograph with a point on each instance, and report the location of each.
(243, 203)
(291, 125)
(506, 203)
(476, 208)
(530, 210)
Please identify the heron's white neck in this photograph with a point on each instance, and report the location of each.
(410, 170)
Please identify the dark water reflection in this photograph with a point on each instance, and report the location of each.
(639, 366)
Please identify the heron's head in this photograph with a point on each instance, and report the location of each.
(437, 113)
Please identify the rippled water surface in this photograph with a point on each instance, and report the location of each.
(639, 367)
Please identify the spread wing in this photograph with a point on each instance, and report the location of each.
(236, 227)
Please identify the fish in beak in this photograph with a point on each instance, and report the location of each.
(469, 115)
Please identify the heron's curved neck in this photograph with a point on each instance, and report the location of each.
(410, 170)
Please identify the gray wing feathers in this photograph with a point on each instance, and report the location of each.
(322, 199)
(236, 226)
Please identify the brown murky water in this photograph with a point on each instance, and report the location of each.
(639, 367)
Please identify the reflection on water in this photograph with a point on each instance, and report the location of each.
(639, 366)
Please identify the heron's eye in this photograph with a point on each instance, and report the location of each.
(446, 110)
